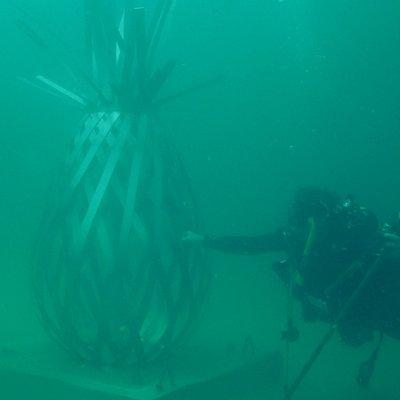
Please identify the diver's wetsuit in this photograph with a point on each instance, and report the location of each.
(331, 245)
(249, 245)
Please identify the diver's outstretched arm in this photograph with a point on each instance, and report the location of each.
(246, 245)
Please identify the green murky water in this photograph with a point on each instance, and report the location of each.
(309, 95)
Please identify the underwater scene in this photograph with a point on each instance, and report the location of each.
(200, 199)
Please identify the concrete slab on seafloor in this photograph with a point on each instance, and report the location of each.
(41, 371)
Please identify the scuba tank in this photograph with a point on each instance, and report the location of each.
(367, 367)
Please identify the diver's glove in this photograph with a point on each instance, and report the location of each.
(192, 238)
(391, 240)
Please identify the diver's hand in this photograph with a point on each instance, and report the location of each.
(392, 237)
(191, 238)
(392, 240)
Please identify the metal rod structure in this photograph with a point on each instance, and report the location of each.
(332, 330)
(193, 89)
(141, 50)
(113, 284)
(69, 64)
(72, 96)
(165, 8)
(36, 86)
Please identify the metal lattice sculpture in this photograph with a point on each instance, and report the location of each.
(114, 284)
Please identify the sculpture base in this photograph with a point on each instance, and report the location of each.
(42, 372)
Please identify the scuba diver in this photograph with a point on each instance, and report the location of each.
(330, 243)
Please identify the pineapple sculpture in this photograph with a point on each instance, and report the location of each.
(114, 285)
